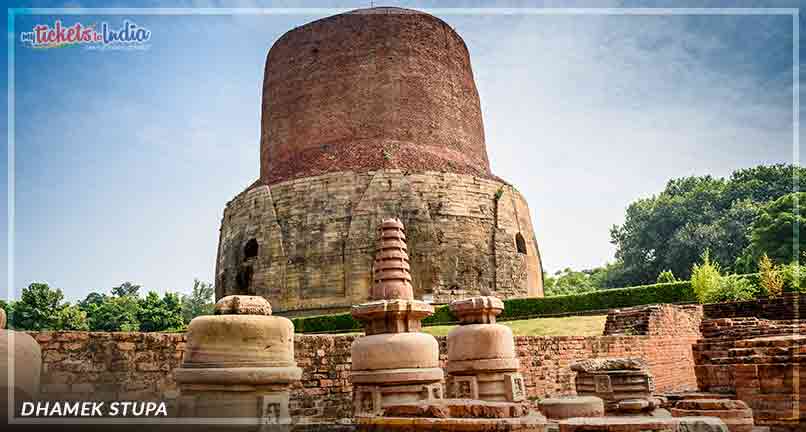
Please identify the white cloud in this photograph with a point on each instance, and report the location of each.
(586, 114)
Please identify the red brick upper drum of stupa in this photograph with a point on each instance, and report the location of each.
(373, 89)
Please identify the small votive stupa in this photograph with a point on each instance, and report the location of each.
(239, 364)
(481, 354)
(394, 362)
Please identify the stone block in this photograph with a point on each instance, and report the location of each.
(571, 406)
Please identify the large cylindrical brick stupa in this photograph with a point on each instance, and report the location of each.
(369, 115)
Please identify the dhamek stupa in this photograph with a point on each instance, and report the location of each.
(368, 115)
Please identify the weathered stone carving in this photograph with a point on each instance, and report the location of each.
(481, 354)
(394, 362)
(735, 413)
(397, 382)
(625, 384)
(238, 363)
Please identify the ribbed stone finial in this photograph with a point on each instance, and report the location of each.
(392, 274)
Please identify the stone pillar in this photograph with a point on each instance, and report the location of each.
(394, 363)
(481, 354)
(238, 364)
(27, 363)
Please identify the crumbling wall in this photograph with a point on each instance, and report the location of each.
(759, 361)
(139, 366)
(655, 320)
(787, 307)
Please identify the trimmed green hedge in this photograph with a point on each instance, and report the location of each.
(673, 292)
(342, 322)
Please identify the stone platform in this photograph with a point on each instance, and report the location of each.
(572, 406)
(454, 415)
(643, 424)
(735, 413)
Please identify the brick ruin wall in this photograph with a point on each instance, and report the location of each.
(726, 324)
(81, 365)
(759, 361)
(786, 307)
(755, 350)
(655, 320)
(315, 239)
(751, 350)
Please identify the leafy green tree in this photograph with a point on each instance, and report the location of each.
(199, 302)
(39, 308)
(8, 307)
(733, 288)
(763, 183)
(706, 278)
(794, 277)
(669, 231)
(666, 276)
(157, 314)
(71, 317)
(566, 282)
(774, 232)
(771, 279)
(91, 305)
(126, 289)
(115, 314)
(93, 299)
(612, 275)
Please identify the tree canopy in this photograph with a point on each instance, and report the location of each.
(774, 231)
(199, 302)
(671, 230)
(41, 307)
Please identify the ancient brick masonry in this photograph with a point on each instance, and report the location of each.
(787, 307)
(369, 90)
(365, 116)
(759, 361)
(139, 366)
(109, 366)
(656, 320)
(314, 239)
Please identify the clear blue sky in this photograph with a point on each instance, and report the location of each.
(125, 159)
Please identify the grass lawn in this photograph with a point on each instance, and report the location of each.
(565, 326)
